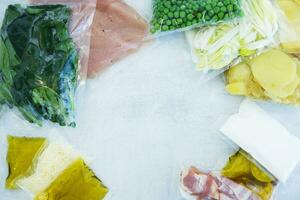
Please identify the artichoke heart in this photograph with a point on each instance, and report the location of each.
(21, 157)
(76, 182)
(272, 75)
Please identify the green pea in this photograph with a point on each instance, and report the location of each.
(179, 21)
(176, 14)
(182, 14)
(190, 16)
(170, 15)
(221, 15)
(165, 27)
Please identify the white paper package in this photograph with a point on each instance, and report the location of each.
(265, 139)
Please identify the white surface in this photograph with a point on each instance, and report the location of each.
(144, 120)
(264, 138)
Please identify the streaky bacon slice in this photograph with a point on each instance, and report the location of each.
(198, 185)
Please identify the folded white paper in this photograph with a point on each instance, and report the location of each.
(265, 139)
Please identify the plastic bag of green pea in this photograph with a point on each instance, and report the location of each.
(174, 15)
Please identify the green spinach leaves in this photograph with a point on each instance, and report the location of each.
(39, 63)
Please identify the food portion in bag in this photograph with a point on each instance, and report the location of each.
(80, 28)
(198, 185)
(50, 172)
(290, 37)
(251, 129)
(240, 179)
(39, 63)
(117, 31)
(272, 75)
(243, 170)
(55, 158)
(218, 46)
(21, 157)
(171, 15)
(76, 182)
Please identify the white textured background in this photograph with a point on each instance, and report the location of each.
(145, 119)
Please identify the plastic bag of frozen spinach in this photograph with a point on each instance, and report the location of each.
(43, 58)
(181, 15)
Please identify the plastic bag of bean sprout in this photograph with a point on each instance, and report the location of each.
(217, 47)
(180, 15)
(44, 50)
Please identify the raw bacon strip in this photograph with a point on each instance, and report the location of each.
(197, 185)
(117, 31)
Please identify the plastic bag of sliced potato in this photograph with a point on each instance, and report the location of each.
(273, 75)
(44, 50)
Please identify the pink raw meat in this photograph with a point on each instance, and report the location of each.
(201, 186)
(117, 31)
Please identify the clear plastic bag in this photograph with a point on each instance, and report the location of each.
(172, 15)
(217, 47)
(50, 166)
(118, 30)
(242, 178)
(266, 155)
(273, 75)
(45, 49)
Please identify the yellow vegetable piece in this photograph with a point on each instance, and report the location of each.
(77, 182)
(238, 88)
(239, 73)
(273, 75)
(285, 91)
(237, 166)
(242, 170)
(260, 174)
(291, 9)
(21, 156)
(273, 69)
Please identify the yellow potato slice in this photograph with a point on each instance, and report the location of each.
(273, 69)
(291, 9)
(238, 88)
(21, 156)
(76, 182)
(239, 73)
(285, 91)
(297, 2)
